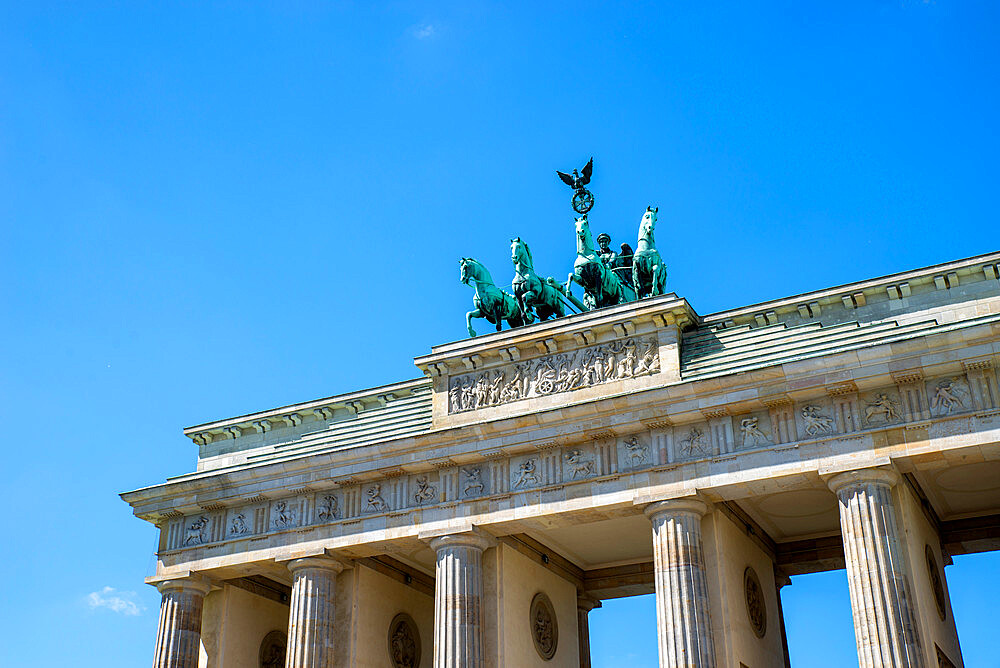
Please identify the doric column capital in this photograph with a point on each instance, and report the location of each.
(466, 539)
(688, 505)
(195, 584)
(858, 477)
(321, 562)
(586, 603)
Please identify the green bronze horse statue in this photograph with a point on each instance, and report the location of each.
(490, 301)
(536, 296)
(649, 274)
(600, 284)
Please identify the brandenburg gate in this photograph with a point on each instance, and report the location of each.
(474, 516)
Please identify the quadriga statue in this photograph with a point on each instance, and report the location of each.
(600, 284)
(649, 274)
(490, 301)
(536, 296)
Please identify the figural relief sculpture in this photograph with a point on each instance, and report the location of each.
(756, 608)
(375, 500)
(617, 360)
(946, 397)
(285, 516)
(194, 534)
(694, 444)
(579, 466)
(544, 629)
(404, 642)
(752, 435)
(816, 424)
(636, 451)
(473, 481)
(425, 491)
(328, 510)
(526, 474)
(883, 407)
(239, 525)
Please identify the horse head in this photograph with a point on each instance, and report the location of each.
(647, 225)
(584, 241)
(520, 253)
(472, 270)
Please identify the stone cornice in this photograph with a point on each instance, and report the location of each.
(294, 414)
(977, 265)
(551, 336)
(679, 404)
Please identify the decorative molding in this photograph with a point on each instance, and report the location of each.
(906, 377)
(598, 456)
(841, 389)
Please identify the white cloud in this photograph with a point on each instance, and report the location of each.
(122, 602)
(424, 30)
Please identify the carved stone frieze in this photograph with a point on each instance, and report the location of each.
(593, 457)
(425, 491)
(195, 534)
(636, 454)
(882, 409)
(579, 466)
(328, 508)
(816, 423)
(752, 434)
(947, 396)
(552, 374)
(284, 516)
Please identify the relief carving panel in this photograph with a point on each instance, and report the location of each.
(564, 372)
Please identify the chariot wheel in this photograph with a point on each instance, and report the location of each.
(583, 201)
(545, 386)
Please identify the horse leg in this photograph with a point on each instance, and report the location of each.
(468, 320)
(654, 286)
(523, 301)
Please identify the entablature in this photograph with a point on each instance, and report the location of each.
(845, 393)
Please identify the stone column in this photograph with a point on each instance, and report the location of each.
(782, 580)
(881, 603)
(311, 630)
(584, 604)
(178, 636)
(458, 601)
(682, 613)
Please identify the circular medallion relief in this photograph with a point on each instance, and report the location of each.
(756, 609)
(544, 629)
(404, 642)
(272, 650)
(935, 577)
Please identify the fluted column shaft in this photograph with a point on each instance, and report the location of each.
(882, 606)
(458, 601)
(178, 635)
(311, 631)
(584, 604)
(683, 622)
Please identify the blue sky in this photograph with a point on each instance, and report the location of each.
(208, 209)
